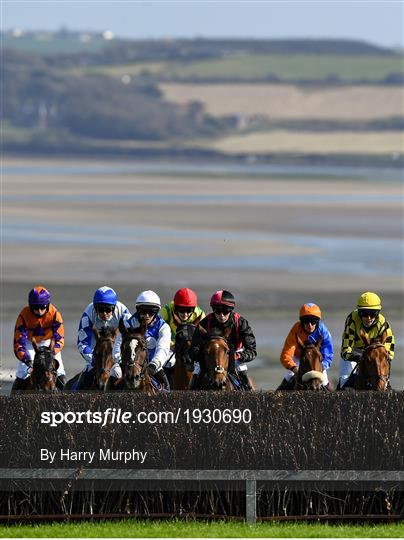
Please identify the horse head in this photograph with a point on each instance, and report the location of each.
(310, 374)
(134, 355)
(374, 365)
(102, 355)
(45, 366)
(183, 340)
(216, 353)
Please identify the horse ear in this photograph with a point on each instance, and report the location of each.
(122, 328)
(143, 327)
(34, 344)
(300, 342)
(227, 331)
(198, 320)
(383, 337)
(364, 337)
(96, 333)
(319, 342)
(52, 344)
(177, 320)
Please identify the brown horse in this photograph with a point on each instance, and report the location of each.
(310, 372)
(44, 371)
(374, 365)
(134, 356)
(102, 357)
(216, 352)
(183, 366)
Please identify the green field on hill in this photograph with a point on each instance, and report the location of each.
(261, 66)
(196, 529)
(290, 67)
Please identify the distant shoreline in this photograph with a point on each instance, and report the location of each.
(191, 155)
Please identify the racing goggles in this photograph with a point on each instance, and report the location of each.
(310, 320)
(372, 313)
(183, 309)
(148, 310)
(39, 307)
(222, 309)
(104, 308)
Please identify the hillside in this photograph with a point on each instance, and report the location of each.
(199, 97)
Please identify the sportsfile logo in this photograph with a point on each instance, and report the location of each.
(117, 416)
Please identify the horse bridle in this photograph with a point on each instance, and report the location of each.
(141, 345)
(186, 334)
(218, 368)
(112, 341)
(44, 353)
(383, 378)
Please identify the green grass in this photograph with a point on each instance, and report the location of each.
(216, 529)
(288, 67)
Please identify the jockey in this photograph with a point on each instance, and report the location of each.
(183, 309)
(309, 328)
(157, 335)
(366, 317)
(241, 340)
(41, 321)
(105, 311)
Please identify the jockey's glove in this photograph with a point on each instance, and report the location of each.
(29, 363)
(295, 369)
(187, 359)
(152, 369)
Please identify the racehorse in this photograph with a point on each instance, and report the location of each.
(216, 352)
(310, 373)
(374, 365)
(102, 357)
(183, 366)
(134, 357)
(44, 371)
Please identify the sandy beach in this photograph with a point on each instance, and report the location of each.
(274, 242)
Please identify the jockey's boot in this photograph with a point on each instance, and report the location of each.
(18, 385)
(60, 382)
(161, 377)
(287, 385)
(169, 371)
(193, 383)
(243, 377)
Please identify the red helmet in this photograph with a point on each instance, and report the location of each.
(185, 298)
(224, 298)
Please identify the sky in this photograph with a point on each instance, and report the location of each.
(377, 22)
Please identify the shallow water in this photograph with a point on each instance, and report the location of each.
(215, 169)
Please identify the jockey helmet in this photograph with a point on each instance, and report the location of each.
(185, 298)
(224, 298)
(39, 296)
(369, 300)
(148, 298)
(105, 295)
(310, 310)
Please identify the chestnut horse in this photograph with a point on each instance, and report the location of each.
(216, 353)
(183, 366)
(134, 356)
(44, 371)
(310, 372)
(374, 365)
